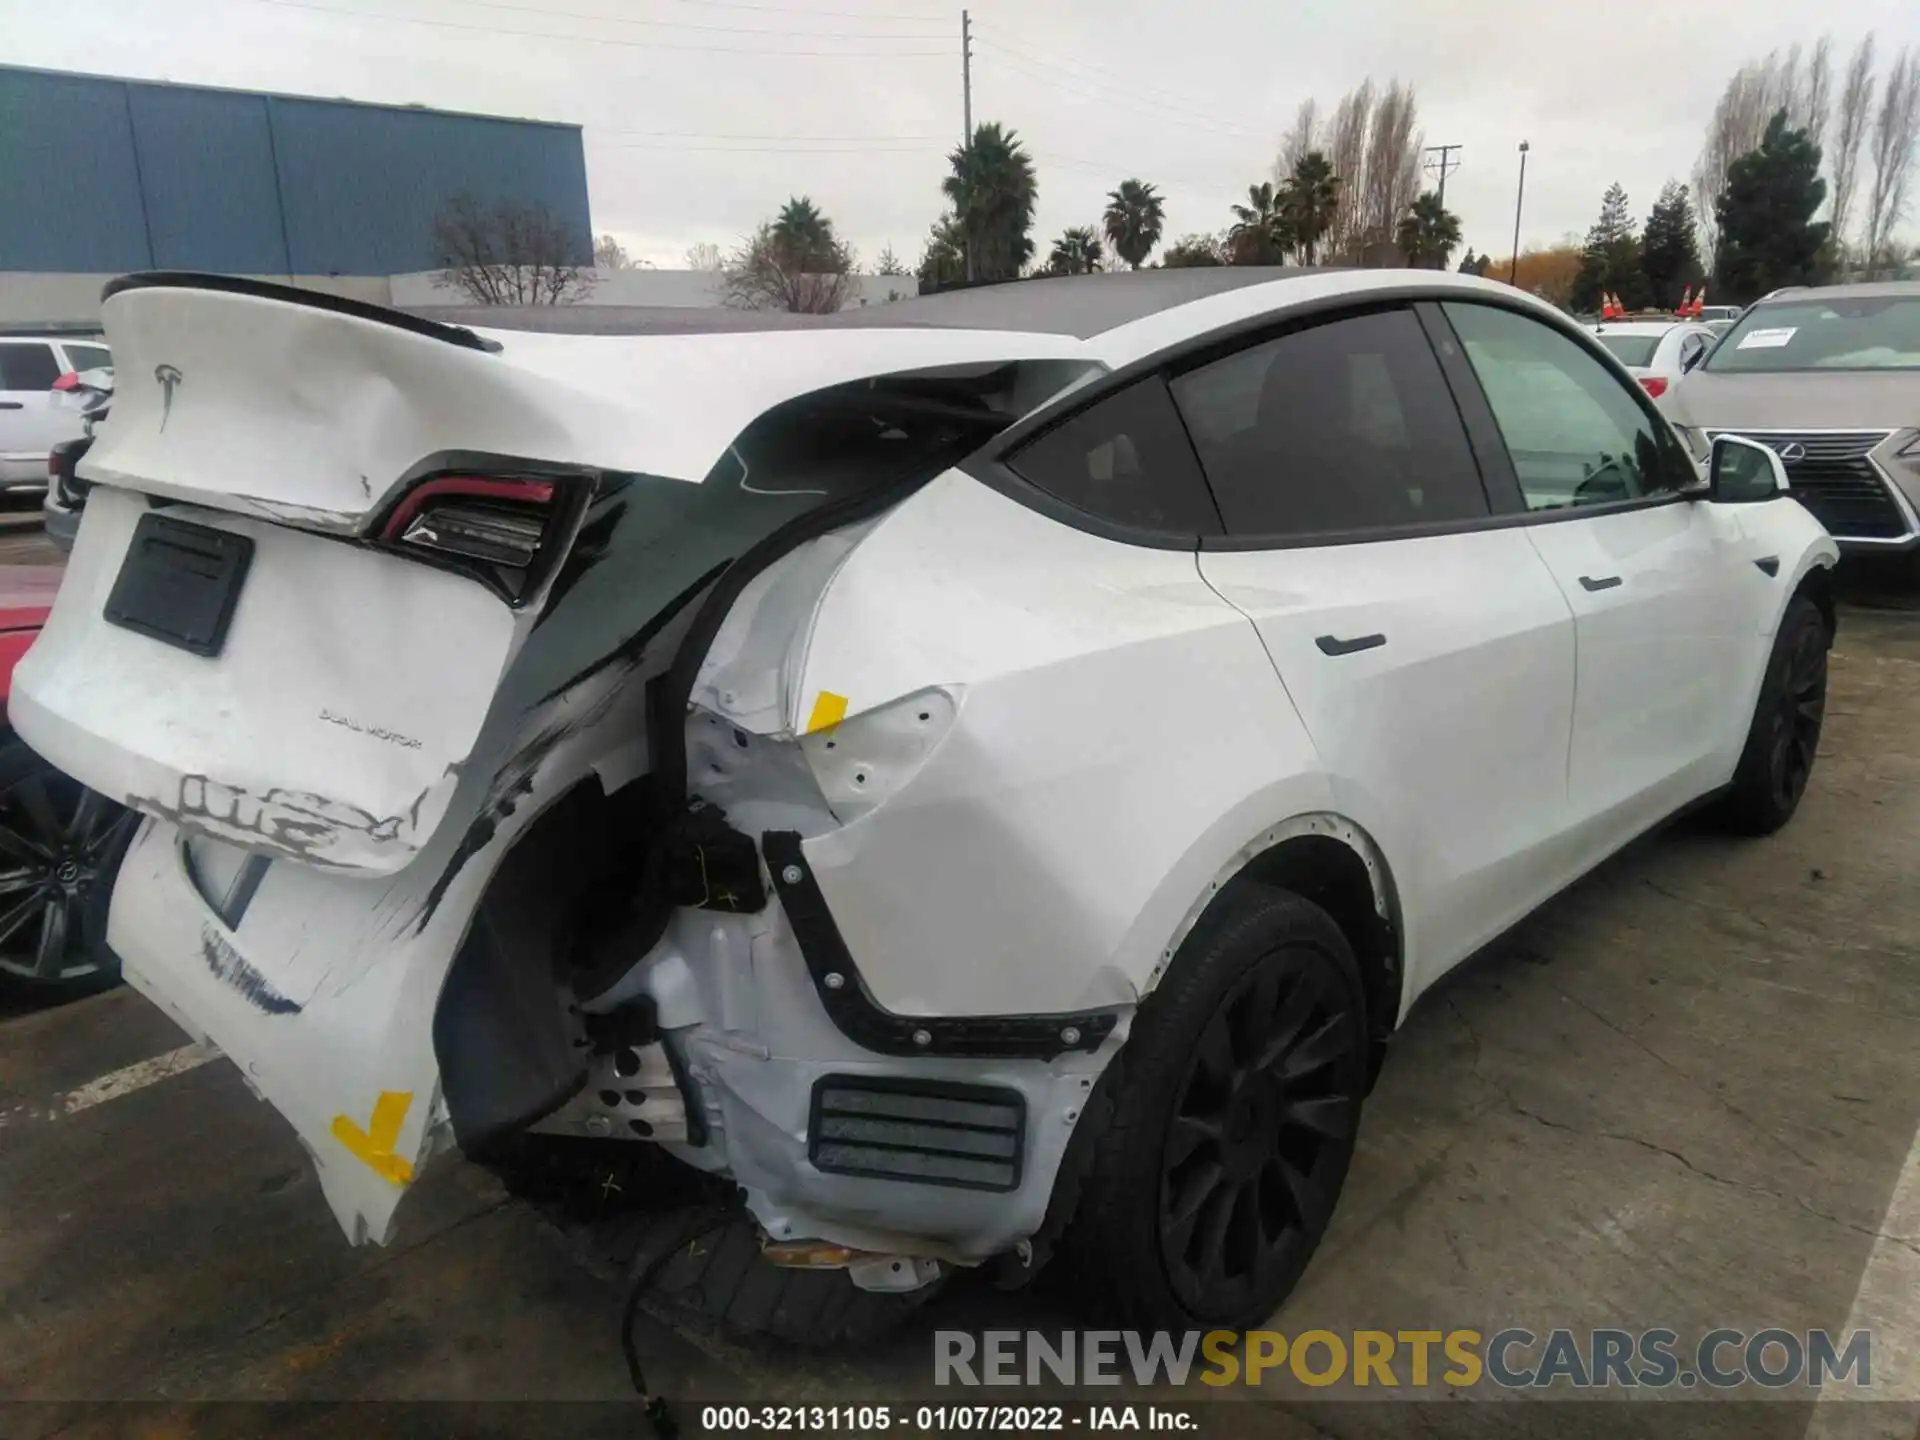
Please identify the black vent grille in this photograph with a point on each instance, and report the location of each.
(1833, 478)
(926, 1132)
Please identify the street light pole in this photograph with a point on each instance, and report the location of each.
(1518, 200)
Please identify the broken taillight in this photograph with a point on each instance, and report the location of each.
(494, 526)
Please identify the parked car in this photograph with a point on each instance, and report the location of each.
(60, 843)
(1656, 352)
(1712, 314)
(980, 776)
(66, 491)
(34, 417)
(1830, 378)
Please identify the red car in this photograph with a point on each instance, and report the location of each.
(59, 842)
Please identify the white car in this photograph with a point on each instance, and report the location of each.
(34, 416)
(981, 776)
(1656, 352)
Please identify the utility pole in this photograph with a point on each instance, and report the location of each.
(1518, 200)
(1444, 167)
(966, 115)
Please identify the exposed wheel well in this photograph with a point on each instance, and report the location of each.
(1331, 874)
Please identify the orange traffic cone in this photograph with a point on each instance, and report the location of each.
(1686, 303)
(1606, 306)
(1700, 300)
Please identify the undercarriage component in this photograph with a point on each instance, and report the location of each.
(632, 1091)
(927, 1132)
(856, 1014)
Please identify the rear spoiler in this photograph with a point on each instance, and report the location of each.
(313, 299)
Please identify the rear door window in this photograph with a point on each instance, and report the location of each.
(1344, 427)
(27, 365)
(1125, 459)
(89, 357)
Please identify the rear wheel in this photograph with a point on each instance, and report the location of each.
(1784, 737)
(60, 846)
(1236, 1107)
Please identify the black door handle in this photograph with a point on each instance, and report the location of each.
(1769, 564)
(11, 405)
(1334, 645)
(1605, 582)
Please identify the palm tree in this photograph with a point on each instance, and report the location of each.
(1135, 215)
(993, 191)
(803, 233)
(1260, 233)
(1427, 234)
(1309, 200)
(1076, 252)
(943, 262)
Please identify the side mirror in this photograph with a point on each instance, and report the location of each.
(1741, 471)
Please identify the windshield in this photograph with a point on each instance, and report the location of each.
(1631, 349)
(1844, 333)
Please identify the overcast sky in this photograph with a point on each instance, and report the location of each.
(689, 137)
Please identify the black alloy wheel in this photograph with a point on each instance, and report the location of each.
(60, 845)
(1258, 1142)
(1800, 708)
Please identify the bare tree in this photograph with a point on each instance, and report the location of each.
(705, 256)
(610, 254)
(511, 254)
(1817, 92)
(1799, 85)
(1851, 125)
(1896, 130)
(1347, 148)
(1302, 137)
(1392, 177)
(889, 263)
(767, 273)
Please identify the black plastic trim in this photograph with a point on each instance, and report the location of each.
(997, 1095)
(854, 1012)
(1769, 565)
(1591, 583)
(314, 300)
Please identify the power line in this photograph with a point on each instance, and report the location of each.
(782, 135)
(777, 149)
(1168, 118)
(1168, 100)
(600, 39)
(689, 25)
(810, 12)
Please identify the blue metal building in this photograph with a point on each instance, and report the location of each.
(103, 175)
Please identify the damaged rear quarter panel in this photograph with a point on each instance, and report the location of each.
(1120, 735)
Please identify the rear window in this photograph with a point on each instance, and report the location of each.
(1125, 459)
(1838, 333)
(27, 366)
(89, 357)
(1630, 349)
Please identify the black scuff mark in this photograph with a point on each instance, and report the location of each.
(590, 546)
(232, 968)
(297, 823)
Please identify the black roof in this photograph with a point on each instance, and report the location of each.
(1078, 305)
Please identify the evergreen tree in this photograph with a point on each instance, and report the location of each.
(1610, 260)
(1670, 250)
(1768, 236)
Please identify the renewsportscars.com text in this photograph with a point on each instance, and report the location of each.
(1512, 1358)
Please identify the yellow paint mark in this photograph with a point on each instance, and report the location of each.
(828, 711)
(374, 1145)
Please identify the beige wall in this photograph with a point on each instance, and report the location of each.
(31, 299)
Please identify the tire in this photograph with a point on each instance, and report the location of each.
(707, 1259)
(1784, 737)
(60, 847)
(1235, 1106)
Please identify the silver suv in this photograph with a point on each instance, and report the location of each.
(1830, 379)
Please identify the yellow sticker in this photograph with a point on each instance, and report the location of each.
(828, 711)
(374, 1145)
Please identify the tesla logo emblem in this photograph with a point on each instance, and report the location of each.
(168, 378)
(1792, 453)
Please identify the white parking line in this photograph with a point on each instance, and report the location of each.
(117, 1083)
(1887, 1304)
